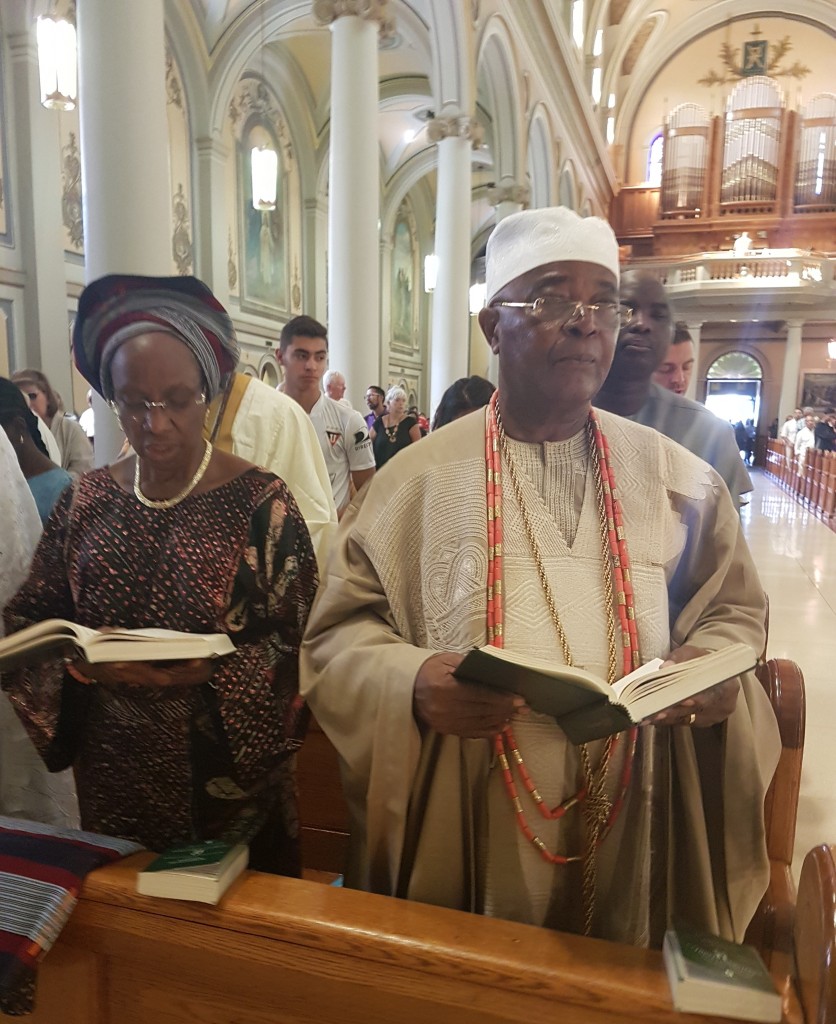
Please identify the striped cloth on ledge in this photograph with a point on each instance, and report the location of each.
(41, 871)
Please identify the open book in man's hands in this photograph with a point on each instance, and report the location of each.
(585, 706)
(52, 636)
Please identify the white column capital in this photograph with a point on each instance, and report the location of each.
(327, 11)
(520, 195)
(456, 127)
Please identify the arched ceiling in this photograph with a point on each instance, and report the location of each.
(650, 51)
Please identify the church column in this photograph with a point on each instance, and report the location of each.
(38, 156)
(315, 297)
(506, 199)
(694, 330)
(456, 136)
(124, 152)
(792, 367)
(213, 233)
(354, 189)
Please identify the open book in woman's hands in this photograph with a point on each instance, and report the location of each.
(587, 707)
(55, 636)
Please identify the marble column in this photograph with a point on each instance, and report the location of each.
(505, 199)
(124, 152)
(694, 330)
(455, 136)
(41, 245)
(354, 190)
(792, 367)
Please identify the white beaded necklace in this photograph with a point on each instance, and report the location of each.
(187, 490)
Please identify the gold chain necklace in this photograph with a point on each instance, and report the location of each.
(187, 490)
(597, 807)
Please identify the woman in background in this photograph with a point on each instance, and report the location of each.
(463, 396)
(394, 430)
(27, 789)
(46, 480)
(76, 451)
(188, 537)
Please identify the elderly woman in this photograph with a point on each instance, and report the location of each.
(394, 430)
(184, 536)
(76, 451)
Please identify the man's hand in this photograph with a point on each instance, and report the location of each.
(453, 708)
(707, 708)
(158, 674)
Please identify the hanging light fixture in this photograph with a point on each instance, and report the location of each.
(264, 163)
(430, 272)
(57, 62)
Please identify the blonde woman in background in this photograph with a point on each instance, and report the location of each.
(394, 430)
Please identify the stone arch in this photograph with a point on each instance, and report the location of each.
(453, 61)
(568, 186)
(499, 80)
(542, 158)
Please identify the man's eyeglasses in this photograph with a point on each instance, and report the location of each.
(140, 410)
(553, 309)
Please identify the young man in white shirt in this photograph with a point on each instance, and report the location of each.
(342, 432)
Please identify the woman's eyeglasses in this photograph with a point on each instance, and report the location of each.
(140, 409)
(553, 309)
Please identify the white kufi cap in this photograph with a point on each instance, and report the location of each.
(530, 239)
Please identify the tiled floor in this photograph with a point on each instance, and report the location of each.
(796, 556)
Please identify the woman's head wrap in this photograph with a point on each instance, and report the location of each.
(554, 234)
(120, 306)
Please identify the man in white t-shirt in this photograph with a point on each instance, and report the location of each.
(342, 432)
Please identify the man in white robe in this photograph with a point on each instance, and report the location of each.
(405, 596)
(263, 426)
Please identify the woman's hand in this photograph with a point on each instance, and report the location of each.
(160, 674)
(703, 709)
(453, 708)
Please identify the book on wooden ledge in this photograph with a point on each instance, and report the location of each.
(713, 976)
(201, 871)
(585, 706)
(50, 637)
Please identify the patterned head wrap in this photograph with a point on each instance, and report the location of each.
(120, 306)
(555, 234)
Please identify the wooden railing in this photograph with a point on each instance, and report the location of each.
(280, 949)
(811, 481)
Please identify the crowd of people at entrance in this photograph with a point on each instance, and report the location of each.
(583, 509)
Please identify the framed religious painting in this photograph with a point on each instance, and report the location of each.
(404, 306)
(818, 391)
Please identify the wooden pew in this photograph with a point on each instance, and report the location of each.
(815, 936)
(285, 950)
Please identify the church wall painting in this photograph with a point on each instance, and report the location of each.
(405, 277)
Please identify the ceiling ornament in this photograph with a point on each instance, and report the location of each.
(519, 194)
(456, 128)
(326, 11)
(757, 57)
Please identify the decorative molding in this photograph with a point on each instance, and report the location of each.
(456, 128)
(71, 195)
(327, 11)
(181, 241)
(173, 88)
(296, 289)
(519, 194)
(252, 98)
(231, 268)
(757, 57)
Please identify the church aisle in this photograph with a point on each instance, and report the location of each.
(796, 556)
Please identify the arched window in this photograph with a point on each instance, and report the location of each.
(654, 161)
(735, 366)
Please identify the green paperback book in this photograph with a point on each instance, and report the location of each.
(713, 976)
(201, 871)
